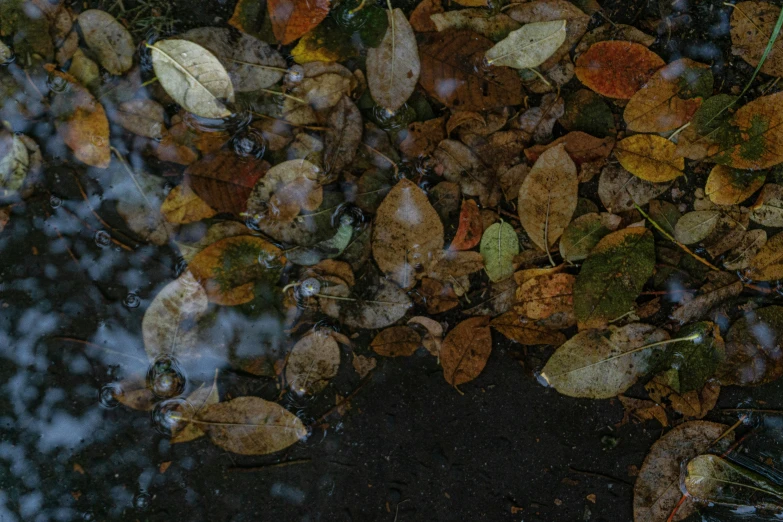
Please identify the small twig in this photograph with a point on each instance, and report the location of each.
(264, 467)
(384, 156)
(97, 346)
(761, 289)
(508, 214)
(343, 401)
(599, 475)
(308, 127)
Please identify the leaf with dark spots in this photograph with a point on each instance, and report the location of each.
(465, 350)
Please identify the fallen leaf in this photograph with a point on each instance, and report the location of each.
(383, 304)
(143, 117)
(292, 19)
(693, 404)
(420, 16)
(767, 264)
(670, 98)
(251, 426)
(108, 40)
(643, 411)
(139, 199)
(717, 481)
(619, 189)
(697, 307)
(229, 269)
(695, 226)
(657, 492)
(285, 190)
(598, 365)
(529, 46)
(81, 121)
(422, 138)
(459, 164)
(454, 73)
(437, 296)
(740, 256)
(407, 234)
(396, 341)
(204, 84)
(586, 111)
(767, 211)
(727, 186)
(617, 69)
(134, 394)
(170, 325)
(198, 400)
(543, 296)
(694, 361)
(539, 121)
(753, 349)
(393, 67)
(588, 152)
(612, 276)
(432, 332)
(752, 25)
(470, 227)
(493, 26)
(499, 245)
(650, 157)
(14, 164)
(525, 331)
(465, 350)
(363, 365)
(248, 17)
(343, 137)
(498, 300)
(548, 196)
(225, 180)
(584, 232)
(313, 361)
(182, 205)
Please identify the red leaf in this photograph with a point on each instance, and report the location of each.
(225, 180)
(617, 69)
(470, 227)
(292, 19)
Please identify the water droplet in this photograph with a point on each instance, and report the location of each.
(131, 300)
(249, 143)
(295, 74)
(57, 84)
(108, 395)
(165, 378)
(55, 202)
(168, 417)
(102, 238)
(310, 287)
(142, 501)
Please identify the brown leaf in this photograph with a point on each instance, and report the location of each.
(182, 205)
(225, 180)
(588, 152)
(198, 400)
(343, 137)
(420, 17)
(396, 341)
(134, 394)
(459, 164)
(432, 332)
(438, 297)
(453, 71)
(546, 295)
(143, 117)
(363, 365)
(694, 404)
(81, 121)
(470, 227)
(767, 265)
(752, 23)
(525, 331)
(700, 305)
(617, 69)
(313, 361)
(642, 410)
(423, 137)
(251, 426)
(465, 350)
(407, 234)
(292, 19)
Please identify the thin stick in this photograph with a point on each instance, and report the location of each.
(264, 467)
(308, 127)
(97, 346)
(350, 396)
(284, 95)
(384, 156)
(599, 475)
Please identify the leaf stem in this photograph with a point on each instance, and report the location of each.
(277, 93)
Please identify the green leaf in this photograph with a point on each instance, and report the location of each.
(695, 360)
(710, 478)
(528, 46)
(499, 245)
(695, 226)
(612, 276)
(583, 233)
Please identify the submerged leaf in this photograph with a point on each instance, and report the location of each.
(108, 39)
(499, 245)
(713, 479)
(313, 360)
(695, 226)
(470, 227)
(767, 265)
(754, 353)
(196, 402)
(393, 67)
(465, 350)
(583, 233)
(752, 25)
(292, 19)
(528, 46)
(727, 186)
(525, 331)
(767, 211)
(396, 341)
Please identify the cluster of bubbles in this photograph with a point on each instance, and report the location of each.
(102, 238)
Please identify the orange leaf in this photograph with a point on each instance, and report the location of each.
(617, 69)
(470, 227)
(225, 180)
(292, 19)
(465, 350)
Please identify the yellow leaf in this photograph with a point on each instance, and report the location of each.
(727, 186)
(650, 157)
(182, 205)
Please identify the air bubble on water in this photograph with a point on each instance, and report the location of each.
(170, 416)
(249, 143)
(102, 238)
(142, 501)
(108, 395)
(295, 74)
(55, 202)
(309, 287)
(131, 300)
(88, 516)
(165, 378)
(56, 83)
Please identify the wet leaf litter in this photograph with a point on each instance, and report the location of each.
(546, 173)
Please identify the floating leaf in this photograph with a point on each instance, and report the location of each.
(752, 23)
(393, 67)
(143, 117)
(727, 186)
(499, 245)
(108, 39)
(657, 492)
(617, 69)
(292, 19)
(251, 426)
(612, 276)
(767, 211)
(650, 157)
(407, 233)
(285, 190)
(81, 122)
(454, 72)
(343, 137)
(382, 305)
(548, 196)
(229, 268)
(713, 479)
(583, 233)
(525, 331)
(169, 326)
(670, 98)
(193, 77)
(753, 349)
(225, 180)
(465, 350)
(134, 394)
(695, 226)
(767, 265)
(693, 404)
(619, 190)
(139, 198)
(196, 402)
(695, 360)
(529, 46)
(470, 227)
(313, 360)
(396, 341)
(182, 205)
(599, 366)
(543, 296)
(642, 411)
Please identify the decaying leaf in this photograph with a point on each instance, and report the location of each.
(753, 348)
(740, 255)
(525, 331)
(170, 325)
(285, 190)
(470, 227)
(543, 296)
(499, 245)
(642, 410)
(767, 264)
(291, 19)
(619, 189)
(393, 67)
(108, 39)
(697, 307)
(383, 304)
(584, 232)
(182, 205)
(493, 26)
(727, 186)
(193, 77)
(695, 404)
(198, 400)
(396, 341)
(617, 69)
(250, 426)
(650, 157)
(459, 164)
(343, 137)
(695, 226)
(363, 365)
(599, 366)
(313, 361)
(14, 164)
(714, 479)
(225, 180)
(142, 116)
(529, 46)
(612, 276)
(752, 24)
(548, 196)
(768, 209)
(465, 350)
(407, 233)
